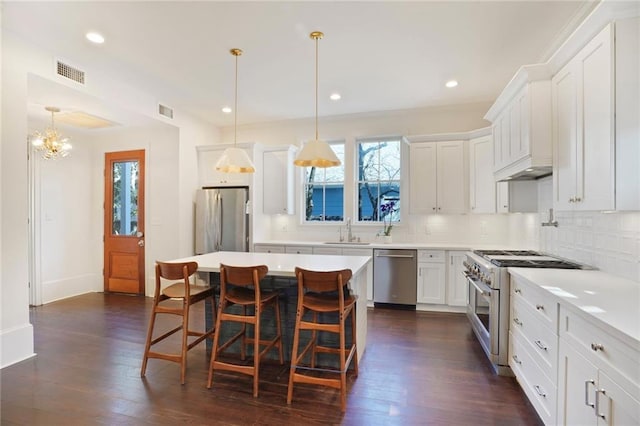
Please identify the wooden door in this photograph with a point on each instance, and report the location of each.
(124, 222)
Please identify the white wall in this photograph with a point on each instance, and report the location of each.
(19, 59)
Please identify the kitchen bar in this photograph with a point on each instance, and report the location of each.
(283, 265)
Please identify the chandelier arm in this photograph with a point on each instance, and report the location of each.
(235, 108)
(317, 88)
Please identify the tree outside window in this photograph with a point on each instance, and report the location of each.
(324, 190)
(378, 180)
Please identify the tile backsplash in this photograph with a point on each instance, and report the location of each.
(607, 241)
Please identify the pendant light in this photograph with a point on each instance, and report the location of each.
(234, 159)
(316, 153)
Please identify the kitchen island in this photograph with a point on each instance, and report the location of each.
(282, 269)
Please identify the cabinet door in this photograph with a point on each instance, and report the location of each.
(209, 176)
(595, 150)
(456, 281)
(519, 127)
(431, 283)
(502, 197)
(616, 405)
(278, 181)
(267, 248)
(505, 131)
(565, 127)
(577, 381)
(496, 131)
(482, 187)
(423, 175)
(452, 177)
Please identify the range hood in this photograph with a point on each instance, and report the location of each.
(530, 173)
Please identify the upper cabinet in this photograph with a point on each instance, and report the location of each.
(208, 156)
(521, 126)
(438, 177)
(278, 180)
(482, 187)
(583, 128)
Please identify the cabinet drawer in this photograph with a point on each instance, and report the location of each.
(265, 248)
(598, 345)
(542, 341)
(538, 388)
(357, 252)
(327, 250)
(543, 304)
(431, 256)
(298, 249)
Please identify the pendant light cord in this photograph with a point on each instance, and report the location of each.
(235, 108)
(317, 88)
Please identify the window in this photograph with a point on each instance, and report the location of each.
(378, 166)
(324, 190)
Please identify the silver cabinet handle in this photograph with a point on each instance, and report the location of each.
(577, 199)
(516, 360)
(517, 290)
(541, 345)
(597, 347)
(540, 307)
(517, 321)
(539, 391)
(586, 392)
(404, 256)
(597, 407)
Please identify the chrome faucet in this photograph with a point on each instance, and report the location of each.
(550, 221)
(350, 237)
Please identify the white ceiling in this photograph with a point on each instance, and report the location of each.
(379, 55)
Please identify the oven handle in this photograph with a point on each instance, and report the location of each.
(484, 289)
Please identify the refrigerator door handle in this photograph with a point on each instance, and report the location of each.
(218, 222)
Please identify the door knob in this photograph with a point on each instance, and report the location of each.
(141, 243)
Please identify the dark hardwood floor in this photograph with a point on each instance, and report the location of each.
(419, 368)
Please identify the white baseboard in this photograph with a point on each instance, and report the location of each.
(71, 286)
(16, 344)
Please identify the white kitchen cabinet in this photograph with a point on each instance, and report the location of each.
(518, 196)
(456, 281)
(582, 386)
(431, 277)
(208, 156)
(278, 180)
(583, 128)
(298, 249)
(336, 251)
(482, 186)
(438, 177)
(268, 248)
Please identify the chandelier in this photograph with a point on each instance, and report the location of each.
(51, 143)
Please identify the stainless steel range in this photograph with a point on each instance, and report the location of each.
(489, 289)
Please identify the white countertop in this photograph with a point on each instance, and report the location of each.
(612, 301)
(399, 245)
(280, 264)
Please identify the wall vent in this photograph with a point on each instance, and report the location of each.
(165, 110)
(70, 72)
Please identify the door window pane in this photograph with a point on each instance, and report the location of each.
(124, 211)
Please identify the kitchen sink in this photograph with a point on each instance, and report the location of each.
(352, 243)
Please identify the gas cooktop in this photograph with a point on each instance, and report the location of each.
(525, 259)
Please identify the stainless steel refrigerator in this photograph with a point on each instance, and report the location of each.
(222, 219)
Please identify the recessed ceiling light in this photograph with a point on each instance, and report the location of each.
(95, 38)
(226, 110)
(451, 83)
(335, 96)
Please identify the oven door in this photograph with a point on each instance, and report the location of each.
(483, 312)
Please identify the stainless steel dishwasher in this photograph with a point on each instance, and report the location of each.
(395, 278)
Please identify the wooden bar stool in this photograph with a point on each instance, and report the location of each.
(314, 296)
(245, 291)
(188, 294)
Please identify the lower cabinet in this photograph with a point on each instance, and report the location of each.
(268, 248)
(598, 377)
(456, 281)
(431, 277)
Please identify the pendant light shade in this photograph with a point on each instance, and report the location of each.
(316, 153)
(234, 159)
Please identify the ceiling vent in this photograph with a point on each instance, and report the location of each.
(165, 110)
(70, 72)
